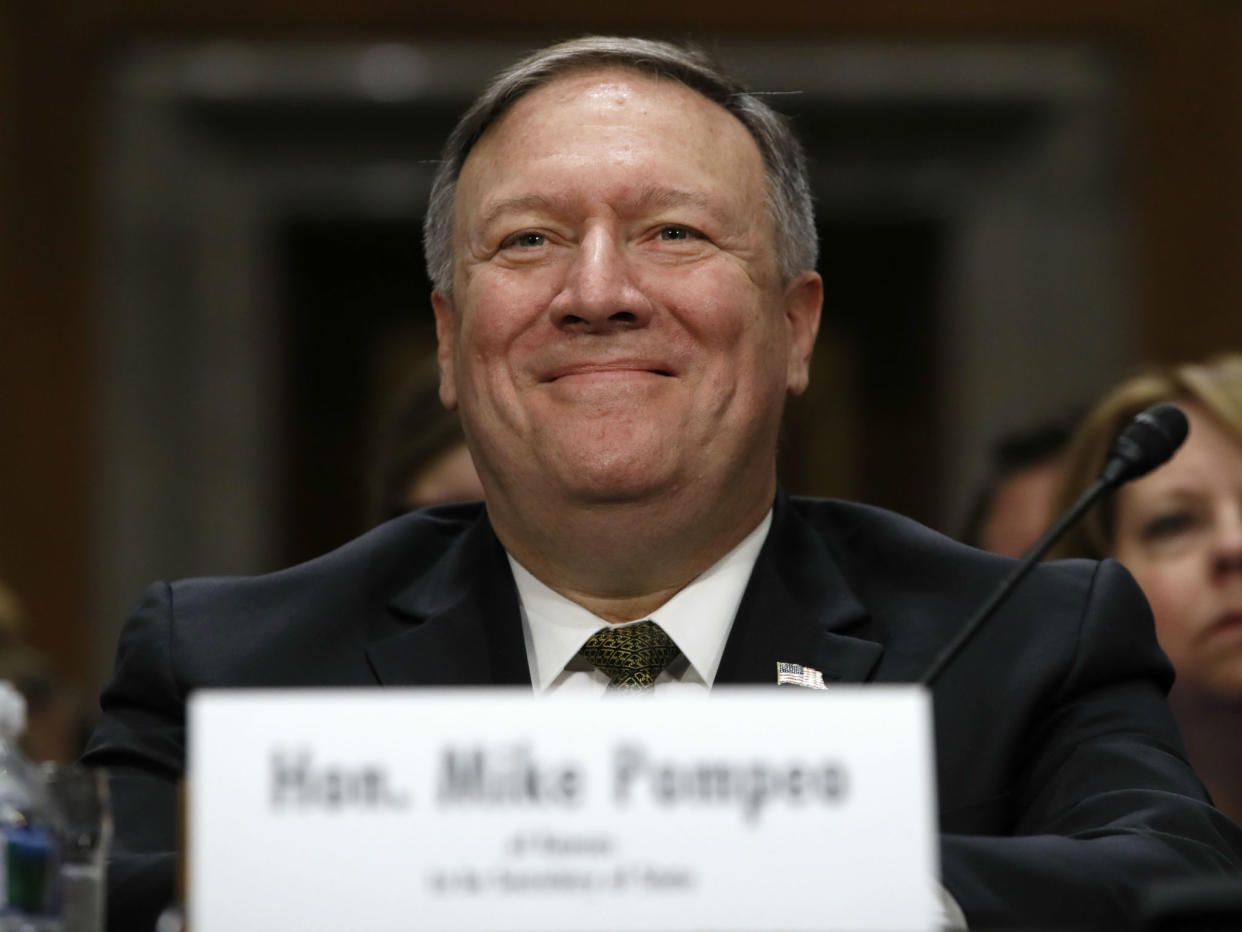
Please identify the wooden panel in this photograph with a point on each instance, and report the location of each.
(45, 351)
(1188, 141)
(475, 17)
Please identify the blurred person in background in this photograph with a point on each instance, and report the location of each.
(1015, 506)
(420, 456)
(57, 724)
(1179, 531)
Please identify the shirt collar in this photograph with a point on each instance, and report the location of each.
(697, 618)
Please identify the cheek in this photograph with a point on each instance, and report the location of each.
(1170, 588)
(499, 314)
(730, 320)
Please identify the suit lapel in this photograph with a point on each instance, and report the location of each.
(461, 625)
(459, 622)
(797, 609)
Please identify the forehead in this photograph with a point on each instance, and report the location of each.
(618, 93)
(613, 119)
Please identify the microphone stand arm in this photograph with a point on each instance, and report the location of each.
(1017, 574)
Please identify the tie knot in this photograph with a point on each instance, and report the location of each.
(632, 656)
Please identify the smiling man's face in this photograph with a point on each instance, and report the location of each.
(618, 330)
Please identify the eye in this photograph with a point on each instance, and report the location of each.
(526, 239)
(674, 233)
(1165, 526)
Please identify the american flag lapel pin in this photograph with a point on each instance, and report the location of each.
(794, 674)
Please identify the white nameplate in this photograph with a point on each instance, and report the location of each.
(454, 810)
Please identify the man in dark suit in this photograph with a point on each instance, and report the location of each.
(622, 245)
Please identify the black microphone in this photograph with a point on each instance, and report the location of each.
(1146, 442)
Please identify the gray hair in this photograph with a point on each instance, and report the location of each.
(789, 192)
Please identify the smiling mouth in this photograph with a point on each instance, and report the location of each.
(619, 370)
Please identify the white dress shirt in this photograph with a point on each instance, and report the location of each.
(697, 618)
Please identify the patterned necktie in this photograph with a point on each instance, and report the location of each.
(633, 656)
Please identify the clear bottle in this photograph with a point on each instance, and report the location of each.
(78, 799)
(29, 900)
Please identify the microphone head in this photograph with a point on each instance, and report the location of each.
(1146, 442)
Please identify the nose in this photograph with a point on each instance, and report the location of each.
(600, 293)
(1228, 543)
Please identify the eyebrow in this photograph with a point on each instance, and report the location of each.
(521, 203)
(1181, 491)
(651, 197)
(657, 196)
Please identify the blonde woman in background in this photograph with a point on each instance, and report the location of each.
(1179, 531)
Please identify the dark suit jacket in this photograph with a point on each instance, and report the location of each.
(1063, 787)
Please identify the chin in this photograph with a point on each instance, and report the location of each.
(633, 468)
(615, 483)
(1219, 686)
(1227, 684)
(612, 489)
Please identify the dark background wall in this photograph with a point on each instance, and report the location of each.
(1182, 135)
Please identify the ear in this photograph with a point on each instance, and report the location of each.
(804, 297)
(446, 334)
